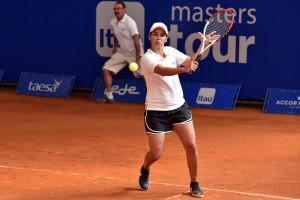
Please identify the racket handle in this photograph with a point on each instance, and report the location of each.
(199, 57)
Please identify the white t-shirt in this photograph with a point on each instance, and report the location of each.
(124, 30)
(163, 92)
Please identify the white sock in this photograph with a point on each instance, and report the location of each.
(109, 95)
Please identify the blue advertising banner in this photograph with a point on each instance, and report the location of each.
(49, 85)
(284, 101)
(196, 94)
(130, 90)
(1, 74)
(211, 95)
(75, 37)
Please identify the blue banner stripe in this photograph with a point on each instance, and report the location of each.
(196, 94)
(1, 74)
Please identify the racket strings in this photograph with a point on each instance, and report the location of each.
(220, 23)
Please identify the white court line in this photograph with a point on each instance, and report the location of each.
(166, 184)
(176, 196)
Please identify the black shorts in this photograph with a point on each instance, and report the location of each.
(160, 122)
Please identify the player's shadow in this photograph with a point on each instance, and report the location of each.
(126, 193)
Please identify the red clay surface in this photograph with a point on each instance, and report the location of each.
(73, 148)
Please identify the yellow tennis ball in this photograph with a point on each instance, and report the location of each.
(133, 66)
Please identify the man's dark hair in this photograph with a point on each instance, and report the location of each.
(121, 2)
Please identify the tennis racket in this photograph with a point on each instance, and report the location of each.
(216, 28)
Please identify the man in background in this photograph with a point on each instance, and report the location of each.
(127, 48)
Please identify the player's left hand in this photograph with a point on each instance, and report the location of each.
(194, 66)
(212, 36)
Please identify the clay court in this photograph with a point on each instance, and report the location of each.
(53, 148)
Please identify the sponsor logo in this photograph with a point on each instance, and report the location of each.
(43, 87)
(116, 89)
(288, 102)
(206, 96)
(282, 101)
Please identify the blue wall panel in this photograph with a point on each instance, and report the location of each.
(66, 37)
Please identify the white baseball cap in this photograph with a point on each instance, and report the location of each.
(159, 25)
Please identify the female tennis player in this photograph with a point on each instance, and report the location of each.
(165, 106)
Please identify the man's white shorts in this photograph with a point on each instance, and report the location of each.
(119, 60)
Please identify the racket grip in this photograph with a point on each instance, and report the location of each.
(199, 57)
